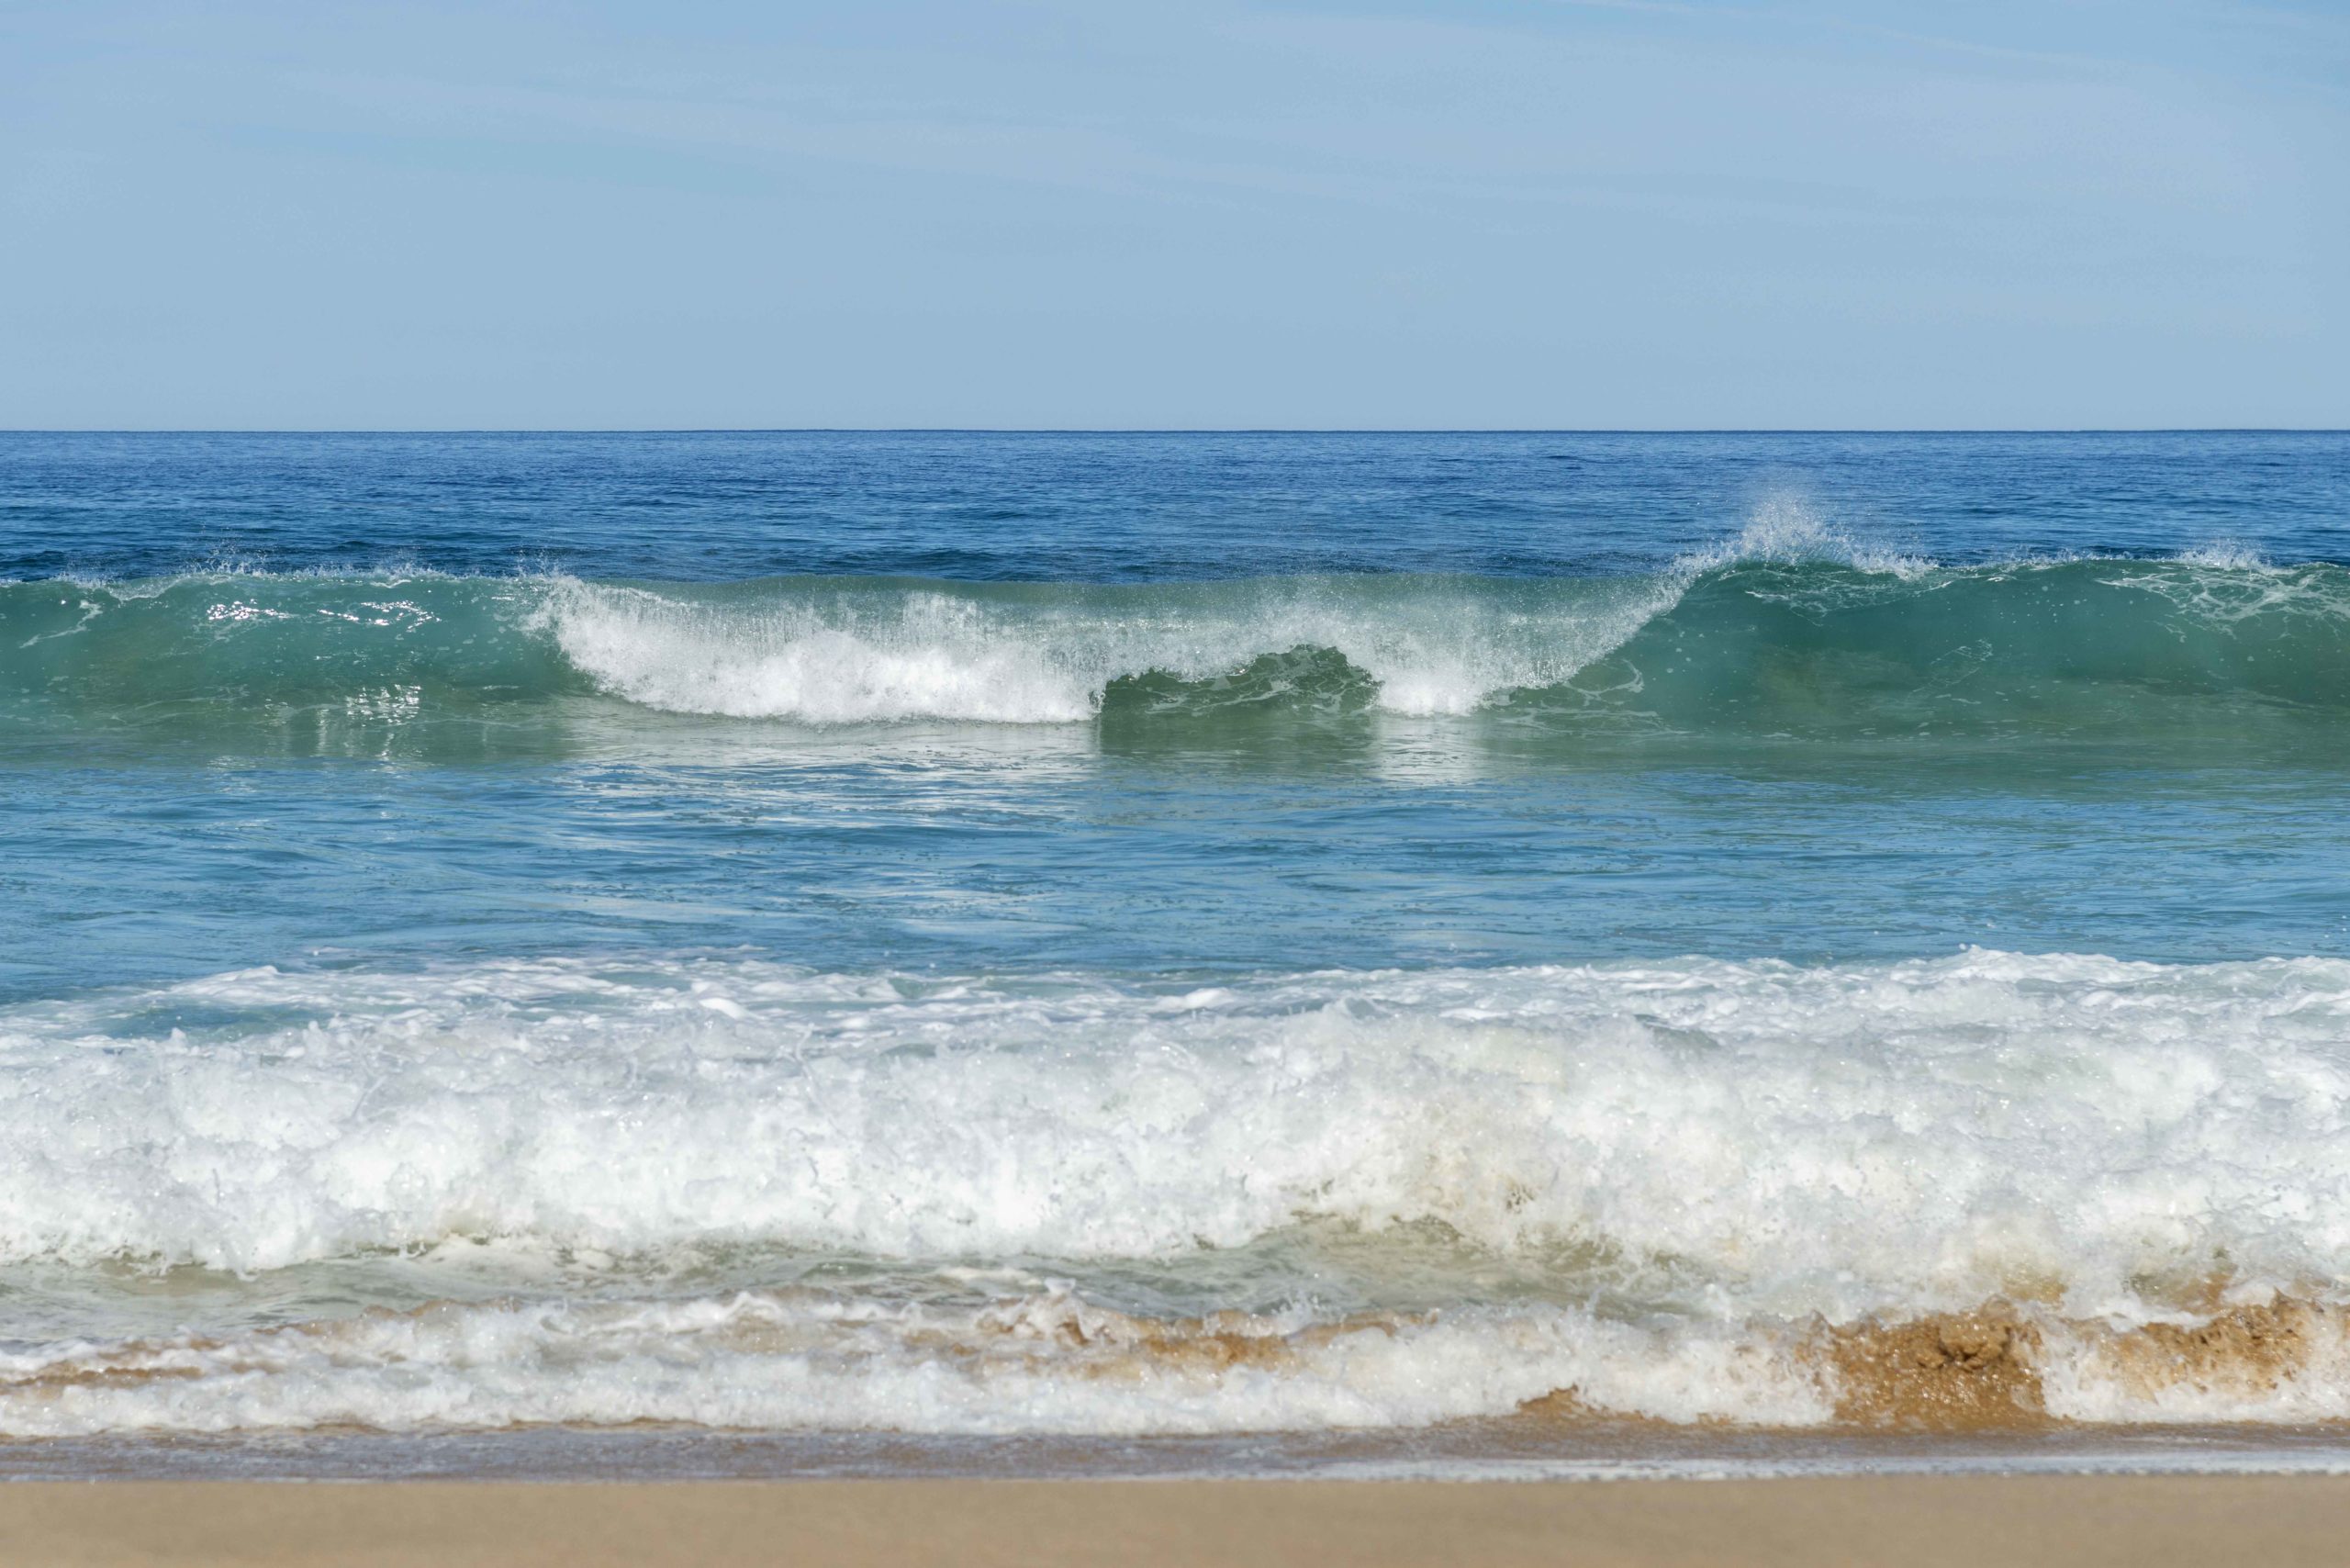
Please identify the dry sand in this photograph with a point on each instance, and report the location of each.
(2143, 1521)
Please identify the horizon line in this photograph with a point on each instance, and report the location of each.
(1171, 430)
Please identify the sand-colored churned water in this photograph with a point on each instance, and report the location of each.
(2000, 1368)
(1991, 1368)
(1922, 1522)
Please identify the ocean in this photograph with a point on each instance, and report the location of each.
(1438, 953)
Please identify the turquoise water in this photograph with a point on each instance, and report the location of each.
(696, 923)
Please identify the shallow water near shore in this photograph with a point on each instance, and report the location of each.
(849, 954)
(1528, 1451)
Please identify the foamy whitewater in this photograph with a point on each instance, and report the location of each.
(1042, 1201)
(885, 960)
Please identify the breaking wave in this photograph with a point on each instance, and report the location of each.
(1787, 631)
(1985, 1190)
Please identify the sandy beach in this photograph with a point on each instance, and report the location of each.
(2143, 1521)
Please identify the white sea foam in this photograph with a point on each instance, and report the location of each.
(1783, 1139)
(826, 654)
(931, 655)
(1785, 529)
(836, 657)
(1678, 1174)
(1050, 1363)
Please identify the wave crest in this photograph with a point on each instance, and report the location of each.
(1790, 629)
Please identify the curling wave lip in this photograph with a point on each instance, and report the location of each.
(1759, 638)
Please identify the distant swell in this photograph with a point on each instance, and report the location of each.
(1762, 639)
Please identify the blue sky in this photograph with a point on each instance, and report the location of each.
(1618, 215)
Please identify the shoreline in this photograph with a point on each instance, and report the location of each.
(1523, 1449)
(2143, 1521)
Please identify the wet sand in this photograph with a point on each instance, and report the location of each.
(2143, 1521)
